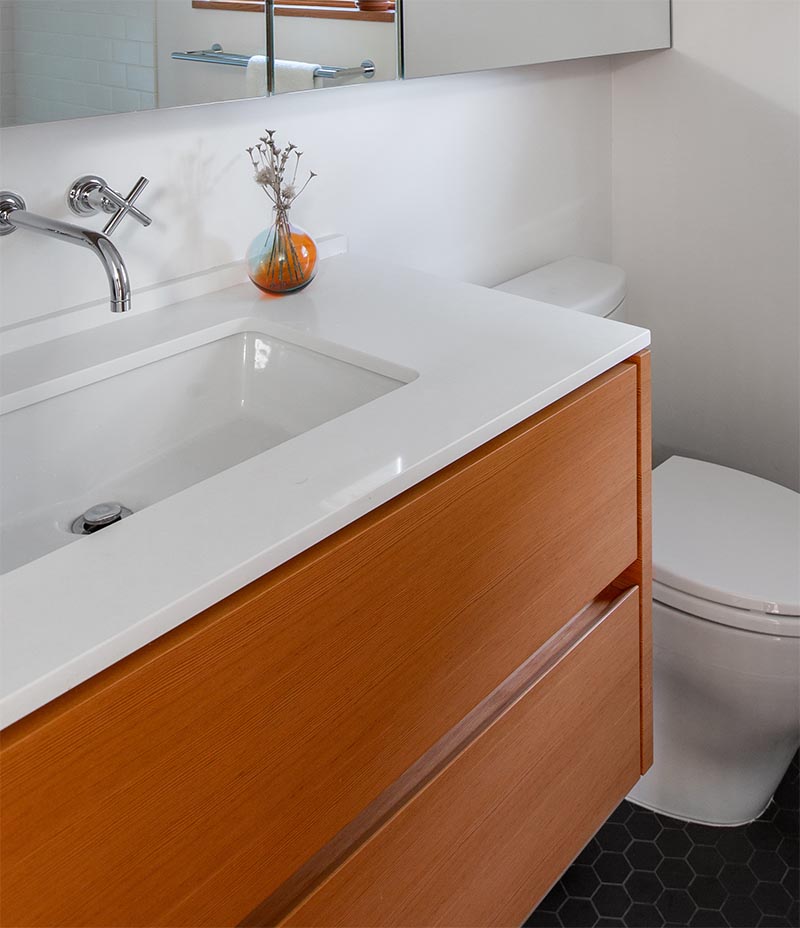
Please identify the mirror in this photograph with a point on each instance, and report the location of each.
(67, 58)
(61, 59)
(327, 43)
(450, 36)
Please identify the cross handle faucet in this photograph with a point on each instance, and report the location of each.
(90, 194)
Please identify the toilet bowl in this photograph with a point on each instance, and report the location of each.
(726, 642)
(726, 610)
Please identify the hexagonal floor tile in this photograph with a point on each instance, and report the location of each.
(643, 824)
(622, 813)
(708, 918)
(674, 874)
(580, 881)
(643, 886)
(738, 879)
(611, 901)
(577, 913)
(643, 855)
(612, 868)
(705, 861)
(647, 870)
(676, 906)
(735, 846)
(772, 899)
(590, 853)
(674, 843)
(789, 849)
(640, 915)
(707, 892)
(613, 837)
(768, 866)
(741, 912)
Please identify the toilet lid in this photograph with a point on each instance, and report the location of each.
(581, 284)
(726, 536)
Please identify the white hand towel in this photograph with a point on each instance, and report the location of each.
(255, 77)
(295, 75)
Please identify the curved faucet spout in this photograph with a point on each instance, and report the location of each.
(100, 244)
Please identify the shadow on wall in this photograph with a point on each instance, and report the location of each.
(705, 176)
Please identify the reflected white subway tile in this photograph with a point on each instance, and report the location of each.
(112, 74)
(140, 29)
(141, 79)
(99, 97)
(97, 49)
(112, 27)
(126, 52)
(147, 56)
(70, 92)
(28, 63)
(71, 111)
(125, 101)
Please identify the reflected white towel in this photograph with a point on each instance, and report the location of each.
(255, 77)
(295, 75)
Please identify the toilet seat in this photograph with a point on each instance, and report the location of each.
(726, 547)
(761, 623)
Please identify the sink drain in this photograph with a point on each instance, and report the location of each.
(98, 517)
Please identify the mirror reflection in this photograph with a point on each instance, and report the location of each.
(61, 59)
(328, 43)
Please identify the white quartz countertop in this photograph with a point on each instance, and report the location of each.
(484, 361)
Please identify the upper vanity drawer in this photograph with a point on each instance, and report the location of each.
(188, 782)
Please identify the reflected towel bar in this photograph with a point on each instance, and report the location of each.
(216, 55)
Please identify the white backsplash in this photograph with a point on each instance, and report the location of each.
(476, 176)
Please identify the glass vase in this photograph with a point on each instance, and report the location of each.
(282, 258)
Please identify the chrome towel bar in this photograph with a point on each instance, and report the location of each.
(217, 55)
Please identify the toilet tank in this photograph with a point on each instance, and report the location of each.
(581, 284)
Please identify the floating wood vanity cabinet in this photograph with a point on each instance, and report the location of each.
(419, 721)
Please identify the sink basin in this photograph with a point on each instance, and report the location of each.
(157, 428)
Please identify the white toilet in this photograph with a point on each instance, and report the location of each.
(581, 284)
(726, 613)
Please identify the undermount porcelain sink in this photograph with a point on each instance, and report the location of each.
(157, 428)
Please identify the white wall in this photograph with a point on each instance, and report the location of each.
(402, 171)
(706, 174)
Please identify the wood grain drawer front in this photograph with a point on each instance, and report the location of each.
(185, 784)
(485, 840)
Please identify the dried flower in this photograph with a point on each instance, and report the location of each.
(265, 176)
(270, 164)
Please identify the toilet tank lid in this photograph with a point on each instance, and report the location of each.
(726, 536)
(575, 283)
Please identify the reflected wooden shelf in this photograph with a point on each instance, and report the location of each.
(322, 9)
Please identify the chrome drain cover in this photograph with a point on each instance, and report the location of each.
(98, 517)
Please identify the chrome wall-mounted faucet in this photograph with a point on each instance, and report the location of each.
(86, 196)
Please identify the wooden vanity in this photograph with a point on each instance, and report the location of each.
(419, 721)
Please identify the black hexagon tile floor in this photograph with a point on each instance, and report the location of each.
(643, 870)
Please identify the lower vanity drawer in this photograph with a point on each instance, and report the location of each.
(531, 789)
